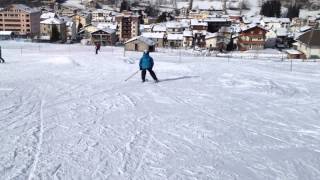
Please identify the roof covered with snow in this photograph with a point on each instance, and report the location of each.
(187, 33)
(195, 22)
(52, 21)
(275, 20)
(106, 25)
(153, 35)
(106, 29)
(24, 8)
(282, 32)
(159, 28)
(173, 24)
(6, 33)
(251, 26)
(142, 39)
(176, 37)
(48, 15)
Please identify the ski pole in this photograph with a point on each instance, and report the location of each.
(132, 75)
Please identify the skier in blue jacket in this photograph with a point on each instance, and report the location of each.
(146, 63)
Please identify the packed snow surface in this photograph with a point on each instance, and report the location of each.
(66, 113)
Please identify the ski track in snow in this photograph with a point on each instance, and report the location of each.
(207, 119)
(40, 141)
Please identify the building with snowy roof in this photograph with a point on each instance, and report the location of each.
(47, 15)
(252, 38)
(140, 43)
(6, 35)
(174, 27)
(175, 40)
(158, 28)
(49, 29)
(309, 44)
(158, 38)
(273, 23)
(104, 36)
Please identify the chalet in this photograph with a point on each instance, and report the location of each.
(282, 38)
(199, 31)
(309, 44)
(175, 40)
(187, 38)
(174, 27)
(252, 37)
(158, 38)
(106, 37)
(6, 35)
(139, 43)
(211, 41)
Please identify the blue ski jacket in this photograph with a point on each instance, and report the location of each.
(146, 62)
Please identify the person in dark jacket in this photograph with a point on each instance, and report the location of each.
(97, 47)
(146, 63)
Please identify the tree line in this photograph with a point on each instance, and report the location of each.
(272, 8)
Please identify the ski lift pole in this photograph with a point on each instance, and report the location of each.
(132, 75)
(1, 59)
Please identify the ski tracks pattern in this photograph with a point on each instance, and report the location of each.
(40, 141)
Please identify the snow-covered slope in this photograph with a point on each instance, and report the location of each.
(66, 113)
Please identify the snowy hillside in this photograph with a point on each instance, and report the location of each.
(66, 113)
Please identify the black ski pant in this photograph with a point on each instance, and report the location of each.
(97, 50)
(143, 74)
(1, 60)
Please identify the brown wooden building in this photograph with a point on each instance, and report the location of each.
(106, 37)
(252, 38)
(140, 43)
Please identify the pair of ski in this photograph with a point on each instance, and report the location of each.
(137, 73)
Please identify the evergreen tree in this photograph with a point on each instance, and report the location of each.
(55, 33)
(124, 6)
(271, 8)
(162, 17)
(293, 11)
(151, 11)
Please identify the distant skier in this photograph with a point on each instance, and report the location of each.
(146, 63)
(98, 45)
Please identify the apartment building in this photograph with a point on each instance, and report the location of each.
(20, 19)
(128, 26)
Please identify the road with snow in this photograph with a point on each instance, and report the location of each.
(66, 113)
